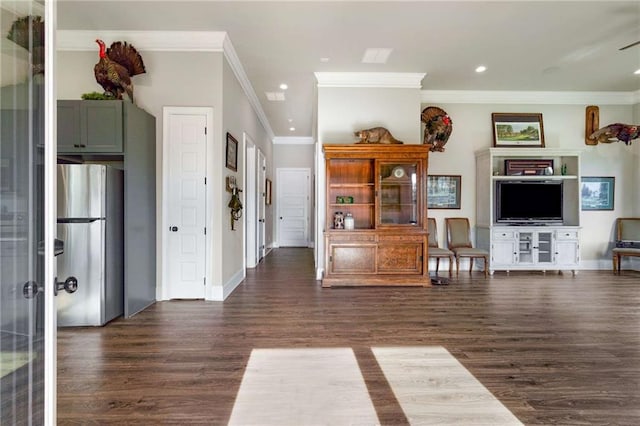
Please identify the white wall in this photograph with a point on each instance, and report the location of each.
(342, 111)
(238, 118)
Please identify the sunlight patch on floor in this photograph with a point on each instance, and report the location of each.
(303, 387)
(326, 387)
(11, 361)
(432, 387)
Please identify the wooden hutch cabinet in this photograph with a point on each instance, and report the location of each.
(383, 188)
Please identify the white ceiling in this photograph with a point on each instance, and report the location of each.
(527, 46)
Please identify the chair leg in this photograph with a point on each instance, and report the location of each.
(457, 265)
(450, 266)
(486, 266)
(470, 264)
(437, 264)
(615, 264)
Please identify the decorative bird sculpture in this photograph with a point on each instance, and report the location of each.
(116, 66)
(616, 132)
(28, 33)
(437, 127)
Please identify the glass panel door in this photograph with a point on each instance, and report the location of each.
(525, 247)
(544, 247)
(22, 215)
(398, 193)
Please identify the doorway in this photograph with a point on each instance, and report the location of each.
(185, 209)
(292, 195)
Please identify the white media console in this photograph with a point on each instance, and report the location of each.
(529, 245)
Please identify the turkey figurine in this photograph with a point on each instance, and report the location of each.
(617, 132)
(116, 66)
(437, 127)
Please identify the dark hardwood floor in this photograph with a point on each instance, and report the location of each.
(554, 348)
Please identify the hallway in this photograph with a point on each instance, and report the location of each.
(553, 349)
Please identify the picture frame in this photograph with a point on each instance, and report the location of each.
(267, 192)
(444, 191)
(515, 129)
(232, 153)
(597, 192)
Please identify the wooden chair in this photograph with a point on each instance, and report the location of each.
(459, 241)
(435, 251)
(627, 240)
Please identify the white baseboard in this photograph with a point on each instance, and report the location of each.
(219, 293)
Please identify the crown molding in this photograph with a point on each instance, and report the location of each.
(293, 140)
(170, 41)
(397, 80)
(529, 97)
(235, 64)
(162, 41)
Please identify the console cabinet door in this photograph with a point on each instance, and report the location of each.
(352, 258)
(400, 258)
(503, 252)
(567, 252)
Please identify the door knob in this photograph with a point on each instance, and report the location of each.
(70, 285)
(30, 289)
(173, 228)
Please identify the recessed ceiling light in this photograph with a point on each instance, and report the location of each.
(324, 60)
(481, 68)
(292, 129)
(284, 86)
(290, 120)
(637, 72)
(275, 96)
(376, 55)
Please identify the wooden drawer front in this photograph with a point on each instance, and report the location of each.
(399, 258)
(504, 235)
(402, 238)
(352, 259)
(567, 235)
(346, 236)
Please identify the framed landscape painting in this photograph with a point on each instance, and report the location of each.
(597, 193)
(517, 130)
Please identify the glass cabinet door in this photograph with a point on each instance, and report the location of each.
(398, 186)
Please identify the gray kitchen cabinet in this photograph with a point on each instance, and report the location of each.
(91, 126)
(120, 134)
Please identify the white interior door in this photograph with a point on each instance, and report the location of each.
(293, 207)
(262, 177)
(186, 206)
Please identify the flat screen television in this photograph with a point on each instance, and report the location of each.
(528, 202)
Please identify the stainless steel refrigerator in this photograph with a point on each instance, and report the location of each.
(90, 222)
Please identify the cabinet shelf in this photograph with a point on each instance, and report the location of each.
(536, 177)
(351, 185)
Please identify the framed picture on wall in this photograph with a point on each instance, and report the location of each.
(443, 191)
(597, 193)
(515, 129)
(232, 153)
